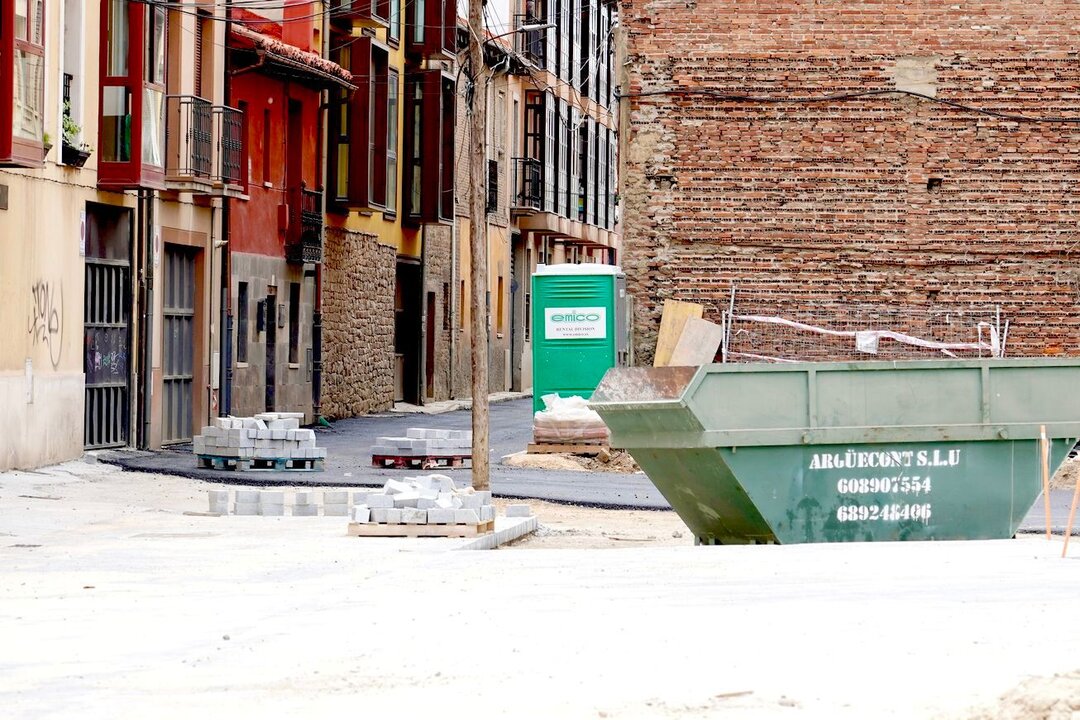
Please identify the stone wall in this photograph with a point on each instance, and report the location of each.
(892, 204)
(438, 280)
(358, 324)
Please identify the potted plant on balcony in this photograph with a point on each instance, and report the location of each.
(74, 152)
(46, 143)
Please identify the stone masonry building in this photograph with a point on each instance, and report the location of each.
(854, 165)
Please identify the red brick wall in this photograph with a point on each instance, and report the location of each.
(822, 211)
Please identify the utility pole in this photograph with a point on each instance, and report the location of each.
(478, 245)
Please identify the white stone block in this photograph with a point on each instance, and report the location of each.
(378, 500)
(305, 498)
(471, 501)
(394, 487)
(304, 434)
(246, 508)
(487, 512)
(318, 453)
(271, 509)
(360, 497)
(466, 516)
(277, 434)
(266, 417)
(441, 516)
(485, 496)
(446, 483)
(518, 511)
(336, 497)
(406, 499)
(378, 515)
(361, 514)
(336, 510)
(425, 503)
(247, 496)
(271, 497)
(393, 516)
(413, 516)
(305, 510)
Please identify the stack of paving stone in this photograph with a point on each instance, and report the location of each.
(273, 502)
(267, 436)
(426, 500)
(425, 442)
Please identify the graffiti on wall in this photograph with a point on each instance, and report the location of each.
(46, 325)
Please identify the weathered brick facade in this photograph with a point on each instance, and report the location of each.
(890, 203)
(358, 324)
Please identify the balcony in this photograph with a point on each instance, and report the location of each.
(373, 14)
(189, 142)
(204, 146)
(528, 188)
(531, 44)
(303, 237)
(228, 177)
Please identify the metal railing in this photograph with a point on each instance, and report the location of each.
(229, 125)
(528, 184)
(531, 44)
(304, 238)
(189, 134)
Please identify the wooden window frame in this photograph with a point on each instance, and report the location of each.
(16, 150)
(431, 113)
(133, 172)
(437, 36)
(364, 13)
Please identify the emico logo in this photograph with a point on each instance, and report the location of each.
(575, 317)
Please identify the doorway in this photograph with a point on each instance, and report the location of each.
(271, 347)
(178, 344)
(408, 329)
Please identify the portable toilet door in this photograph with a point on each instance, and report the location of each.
(575, 312)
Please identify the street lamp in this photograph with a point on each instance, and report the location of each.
(478, 242)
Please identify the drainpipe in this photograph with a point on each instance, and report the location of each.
(225, 375)
(453, 296)
(316, 314)
(146, 242)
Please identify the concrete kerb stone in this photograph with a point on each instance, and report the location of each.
(518, 510)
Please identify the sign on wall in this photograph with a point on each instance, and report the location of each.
(575, 323)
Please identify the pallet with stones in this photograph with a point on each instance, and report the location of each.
(421, 462)
(415, 531)
(577, 448)
(219, 462)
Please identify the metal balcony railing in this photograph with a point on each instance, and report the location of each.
(229, 128)
(528, 184)
(189, 136)
(304, 237)
(531, 44)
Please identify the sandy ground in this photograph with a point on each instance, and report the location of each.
(115, 604)
(618, 461)
(1066, 476)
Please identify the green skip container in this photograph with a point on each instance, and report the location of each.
(839, 452)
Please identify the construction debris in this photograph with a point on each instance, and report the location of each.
(568, 421)
(268, 441)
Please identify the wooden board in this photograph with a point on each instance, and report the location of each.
(570, 448)
(414, 531)
(672, 322)
(421, 462)
(698, 344)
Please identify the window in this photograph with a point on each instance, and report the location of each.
(361, 129)
(294, 323)
(393, 33)
(22, 78)
(430, 117)
(391, 141)
(365, 13)
(492, 205)
(432, 27)
(133, 76)
(340, 110)
(378, 126)
(242, 323)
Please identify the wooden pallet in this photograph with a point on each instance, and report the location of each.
(417, 531)
(421, 462)
(220, 462)
(570, 448)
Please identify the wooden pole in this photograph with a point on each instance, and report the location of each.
(1072, 515)
(478, 245)
(1043, 447)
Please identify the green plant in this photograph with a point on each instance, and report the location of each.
(72, 130)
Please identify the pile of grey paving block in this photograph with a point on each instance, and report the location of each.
(273, 502)
(424, 500)
(426, 442)
(270, 436)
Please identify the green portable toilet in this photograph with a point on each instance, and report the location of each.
(579, 328)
